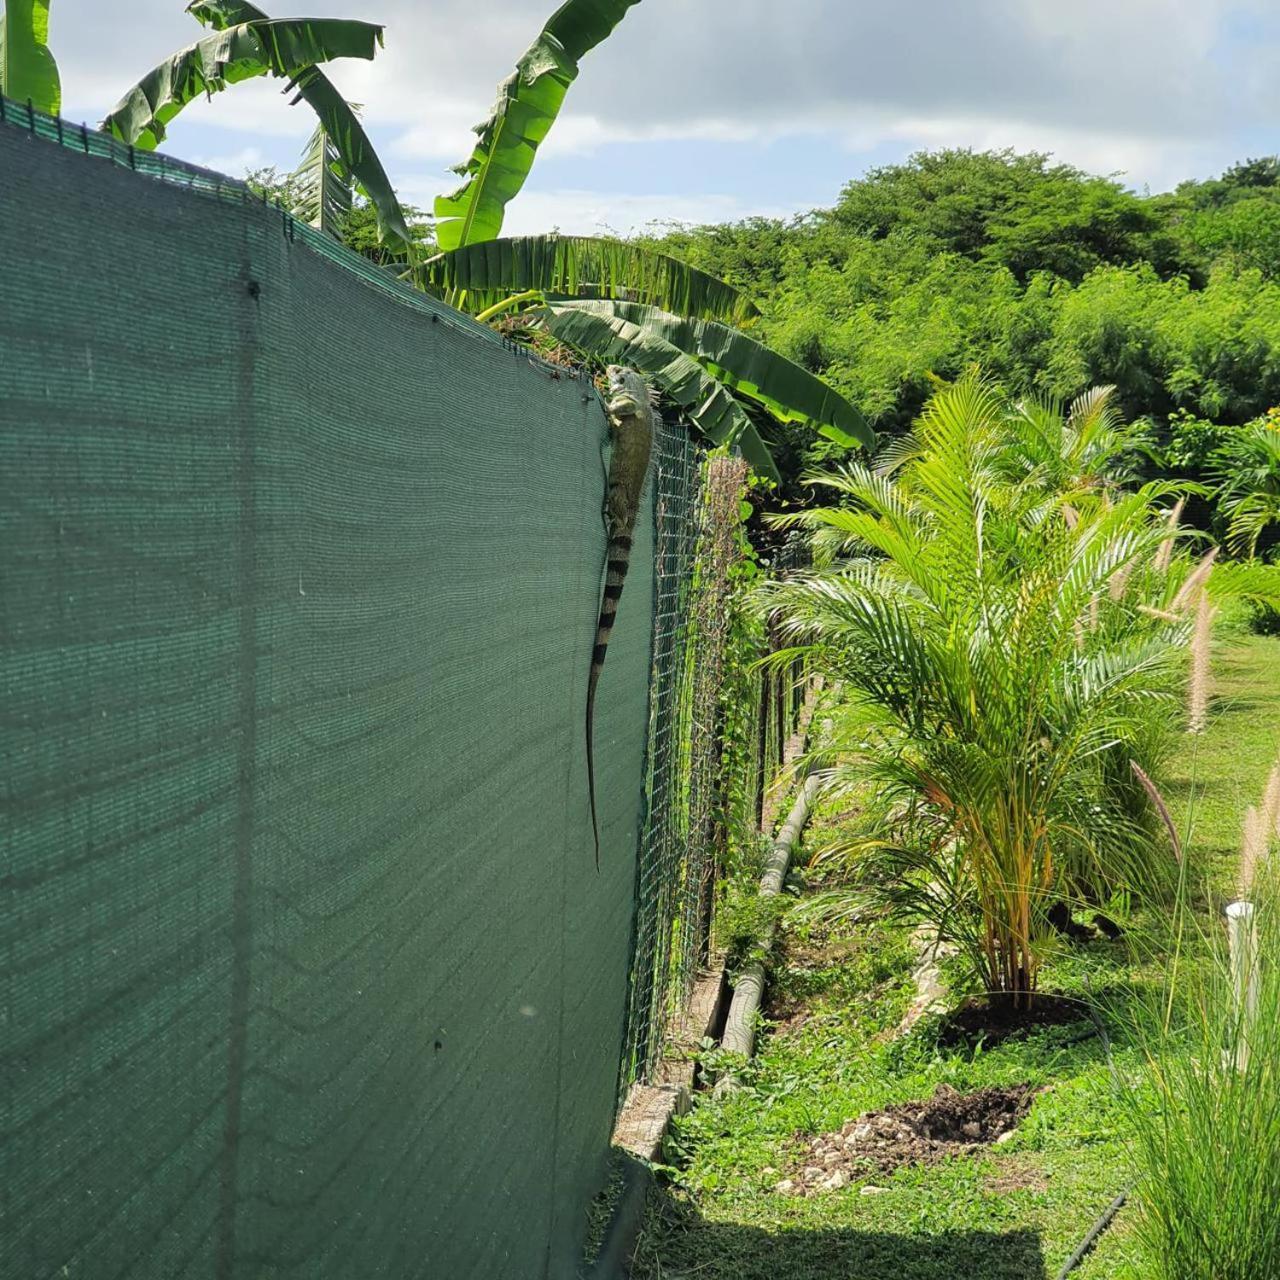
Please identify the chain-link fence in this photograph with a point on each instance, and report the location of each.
(719, 729)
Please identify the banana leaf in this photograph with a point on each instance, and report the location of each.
(526, 107)
(28, 72)
(708, 404)
(336, 116)
(323, 185)
(283, 47)
(482, 275)
(750, 369)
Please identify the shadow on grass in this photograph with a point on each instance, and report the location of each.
(679, 1243)
(732, 1251)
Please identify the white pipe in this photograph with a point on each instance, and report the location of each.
(1242, 940)
(740, 1024)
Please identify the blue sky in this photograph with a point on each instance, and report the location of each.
(706, 110)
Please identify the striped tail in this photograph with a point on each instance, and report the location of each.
(615, 575)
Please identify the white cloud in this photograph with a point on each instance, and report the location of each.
(1147, 86)
(577, 212)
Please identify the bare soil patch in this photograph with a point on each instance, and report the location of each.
(1016, 1174)
(922, 1132)
(994, 1019)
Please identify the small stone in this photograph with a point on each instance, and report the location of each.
(861, 1132)
(768, 1171)
(786, 1187)
(835, 1181)
(811, 1173)
(972, 1130)
(869, 1190)
(1004, 1137)
(831, 1159)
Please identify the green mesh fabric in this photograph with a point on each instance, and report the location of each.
(307, 969)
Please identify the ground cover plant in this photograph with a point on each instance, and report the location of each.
(1013, 1209)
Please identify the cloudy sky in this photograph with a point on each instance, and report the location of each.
(706, 110)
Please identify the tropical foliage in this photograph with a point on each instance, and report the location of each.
(527, 105)
(1052, 280)
(247, 43)
(980, 606)
(28, 72)
(1245, 468)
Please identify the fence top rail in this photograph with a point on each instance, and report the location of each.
(209, 183)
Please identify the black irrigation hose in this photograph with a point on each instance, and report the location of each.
(1103, 1222)
(1106, 1217)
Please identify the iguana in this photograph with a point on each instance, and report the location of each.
(631, 424)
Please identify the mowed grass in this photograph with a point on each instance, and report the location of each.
(1015, 1212)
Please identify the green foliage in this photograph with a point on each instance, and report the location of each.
(484, 277)
(980, 609)
(527, 105)
(1192, 442)
(1207, 1122)
(706, 401)
(28, 72)
(749, 368)
(1009, 210)
(337, 119)
(1246, 469)
(323, 185)
(287, 48)
(1050, 279)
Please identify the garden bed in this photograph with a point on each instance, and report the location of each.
(1008, 1210)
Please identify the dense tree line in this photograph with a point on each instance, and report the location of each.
(1050, 279)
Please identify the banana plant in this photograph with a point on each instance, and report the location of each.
(494, 276)
(751, 370)
(28, 72)
(526, 107)
(246, 43)
(322, 185)
(707, 403)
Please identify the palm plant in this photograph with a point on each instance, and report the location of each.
(1247, 471)
(956, 606)
(1083, 447)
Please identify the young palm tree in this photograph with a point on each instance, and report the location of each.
(1247, 472)
(963, 611)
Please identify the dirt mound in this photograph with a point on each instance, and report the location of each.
(993, 1019)
(925, 1132)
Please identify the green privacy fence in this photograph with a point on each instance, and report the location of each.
(307, 967)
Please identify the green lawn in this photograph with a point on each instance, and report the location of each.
(1014, 1213)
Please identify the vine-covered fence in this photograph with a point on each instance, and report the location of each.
(720, 725)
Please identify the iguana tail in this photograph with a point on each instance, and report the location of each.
(619, 554)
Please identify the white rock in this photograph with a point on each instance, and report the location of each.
(831, 1159)
(835, 1181)
(811, 1173)
(786, 1187)
(873, 1191)
(1005, 1137)
(768, 1171)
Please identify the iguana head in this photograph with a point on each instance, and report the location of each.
(628, 391)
